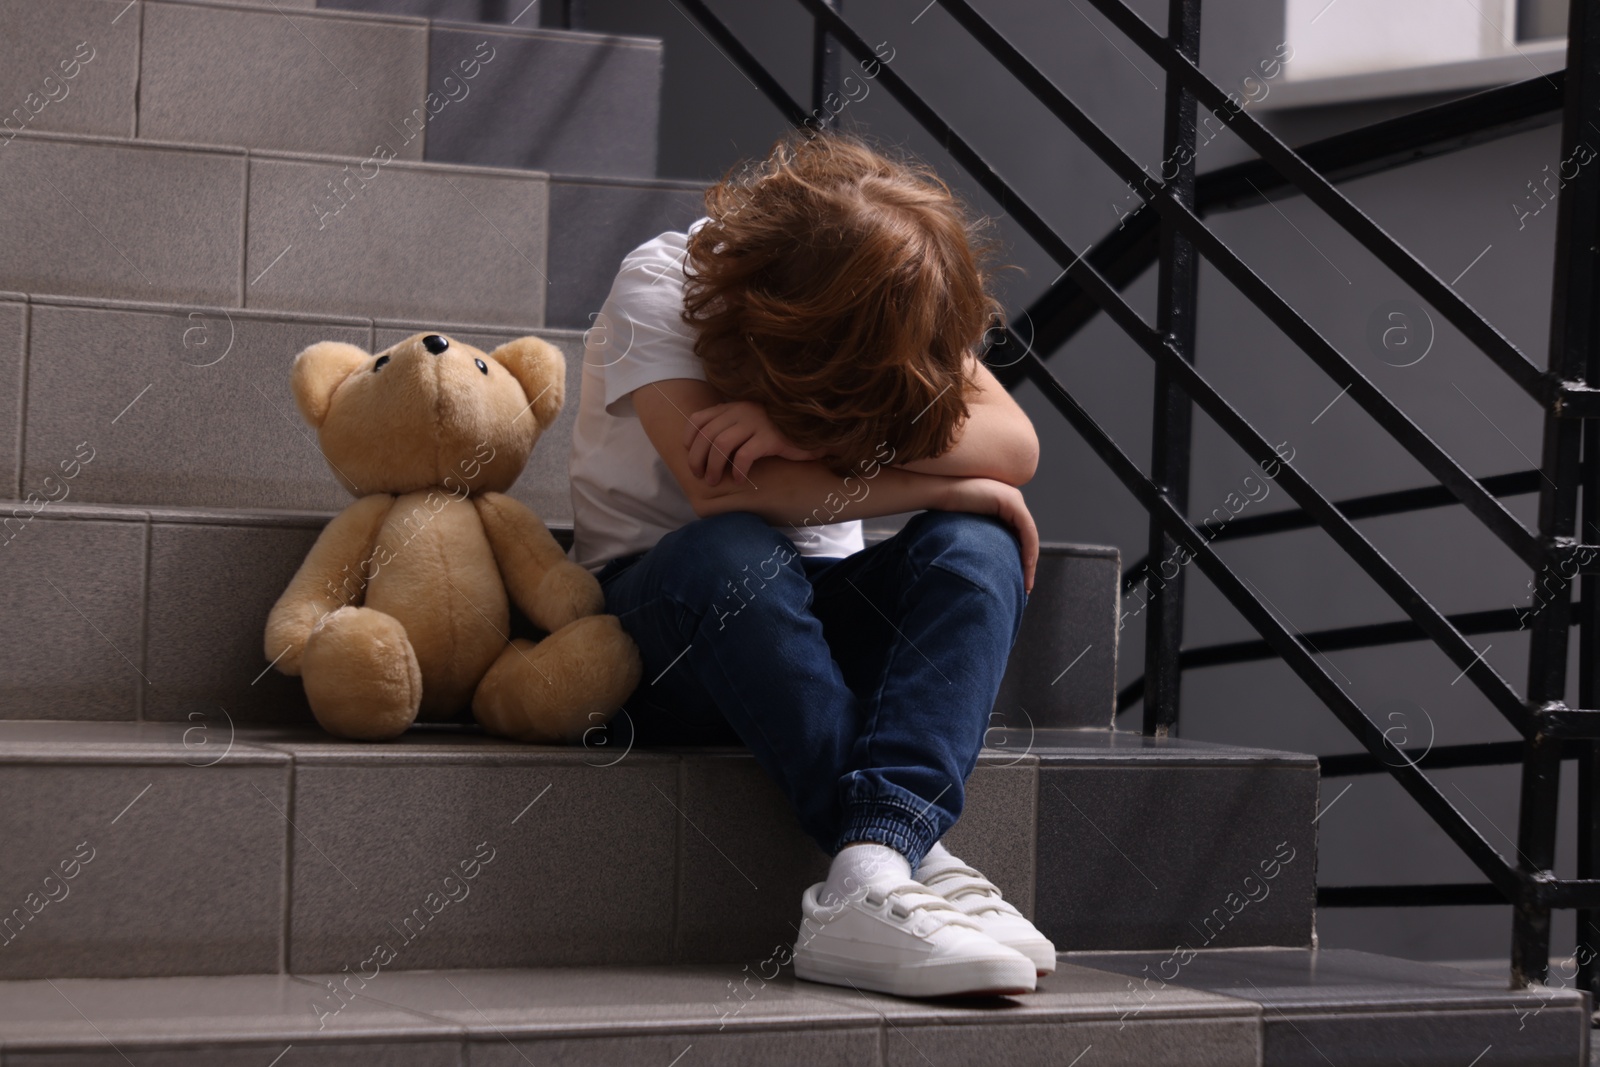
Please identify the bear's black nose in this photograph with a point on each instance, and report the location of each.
(435, 344)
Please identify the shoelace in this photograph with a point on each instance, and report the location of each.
(954, 884)
(907, 897)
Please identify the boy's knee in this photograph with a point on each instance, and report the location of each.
(980, 548)
(705, 555)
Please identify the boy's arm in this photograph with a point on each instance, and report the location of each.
(789, 492)
(996, 441)
(784, 492)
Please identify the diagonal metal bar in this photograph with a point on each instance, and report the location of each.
(1443, 757)
(1123, 254)
(1424, 792)
(1528, 375)
(1334, 639)
(1339, 527)
(726, 40)
(1408, 896)
(1399, 501)
(1422, 134)
(1385, 412)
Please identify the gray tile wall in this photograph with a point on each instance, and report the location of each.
(264, 75)
(69, 66)
(1154, 855)
(13, 369)
(211, 587)
(664, 857)
(592, 108)
(583, 875)
(265, 78)
(167, 223)
(182, 406)
(593, 225)
(185, 870)
(1063, 667)
(90, 218)
(71, 615)
(401, 241)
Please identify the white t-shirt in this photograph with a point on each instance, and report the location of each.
(623, 496)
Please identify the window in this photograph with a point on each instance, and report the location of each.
(1346, 50)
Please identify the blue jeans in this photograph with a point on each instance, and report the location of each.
(863, 685)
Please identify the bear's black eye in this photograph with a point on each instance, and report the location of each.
(381, 361)
(482, 365)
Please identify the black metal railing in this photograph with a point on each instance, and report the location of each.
(1168, 231)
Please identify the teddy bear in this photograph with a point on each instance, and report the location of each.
(401, 609)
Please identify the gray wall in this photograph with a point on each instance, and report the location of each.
(1447, 211)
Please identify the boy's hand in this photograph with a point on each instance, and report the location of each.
(985, 496)
(735, 435)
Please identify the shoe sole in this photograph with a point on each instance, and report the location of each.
(1042, 953)
(956, 978)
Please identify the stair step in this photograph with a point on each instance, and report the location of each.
(340, 82)
(515, 12)
(594, 222)
(161, 612)
(294, 852)
(1278, 1008)
(191, 406)
(1356, 1008)
(201, 225)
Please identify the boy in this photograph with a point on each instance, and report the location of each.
(802, 358)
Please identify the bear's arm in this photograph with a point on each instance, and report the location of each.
(549, 588)
(331, 577)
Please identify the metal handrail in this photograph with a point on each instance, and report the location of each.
(1395, 502)
(1385, 412)
(1334, 639)
(1125, 253)
(1411, 270)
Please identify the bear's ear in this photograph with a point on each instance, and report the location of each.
(317, 372)
(541, 370)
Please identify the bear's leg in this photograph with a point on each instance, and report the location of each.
(553, 691)
(361, 675)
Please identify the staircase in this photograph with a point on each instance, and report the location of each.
(194, 874)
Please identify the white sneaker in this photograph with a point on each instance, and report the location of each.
(898, 938)
(979, 899)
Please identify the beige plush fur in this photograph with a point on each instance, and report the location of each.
(402, 607)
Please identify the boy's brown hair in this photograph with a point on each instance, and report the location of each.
(842, 290)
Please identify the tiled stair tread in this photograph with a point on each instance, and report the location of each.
(427, 88)
(580, 999)
(1118, 746)
(379, 322)
(219, 226)
(416, 20)
(231, 516)
(514, 1003)
(341, 159)
(1085, 1000)
(67, 741)
(1297, 980)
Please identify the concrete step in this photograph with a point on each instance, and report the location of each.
(157, 445)
(160, 611)
(190, 406)
(120, 219)
(207, 847)
(511, 12)
(1357, 1009)
(291, 78)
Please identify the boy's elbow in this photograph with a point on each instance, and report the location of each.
(1025, 464)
